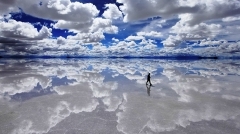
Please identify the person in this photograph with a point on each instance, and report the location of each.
(149, 79)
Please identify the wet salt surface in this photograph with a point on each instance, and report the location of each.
(109, 96)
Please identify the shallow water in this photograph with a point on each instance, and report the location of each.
(109, 96)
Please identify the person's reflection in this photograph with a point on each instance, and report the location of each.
(148, 89)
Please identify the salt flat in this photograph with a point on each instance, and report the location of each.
(109, 96)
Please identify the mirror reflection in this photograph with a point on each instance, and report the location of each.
(74, 96)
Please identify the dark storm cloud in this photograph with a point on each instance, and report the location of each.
(14, 45)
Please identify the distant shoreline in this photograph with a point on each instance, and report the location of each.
(118, 57)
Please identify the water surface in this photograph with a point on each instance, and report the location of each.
(109, 96)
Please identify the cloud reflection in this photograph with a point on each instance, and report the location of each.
(184, 92)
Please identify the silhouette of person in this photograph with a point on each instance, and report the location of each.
(148, 89)
(149, 79)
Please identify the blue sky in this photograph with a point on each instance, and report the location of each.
(120, 27)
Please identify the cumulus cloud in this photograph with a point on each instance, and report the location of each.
(88, 37)
(22, 30)
(152, 34)
(112, 12)
(103, 25)
(133, 38)
(90, 32)
(58, 47)
(73, 26)
(183, 32)
(198, 11)
(60, 10)
(96, 25)
(123, 48)
(115, 40)
(141, 9)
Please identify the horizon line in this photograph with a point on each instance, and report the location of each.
(192, 57)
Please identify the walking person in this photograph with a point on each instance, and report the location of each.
(149, 79)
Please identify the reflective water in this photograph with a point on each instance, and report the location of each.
(109, 96)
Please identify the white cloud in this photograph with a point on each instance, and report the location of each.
(88, 37)
(73, 26)
(61, 40)
(96, 25)
(58, 47)
(141, 9)
(115, 40)
(112, 12)
(210, 10)
(232, 18)
(23, 30)
(103, 25)
(134, 38)
(152, 34)
(123, 47)
(60, 10)
(205, 42)
(184, 32)
(90, 32)
(199, 11)
(172, 41)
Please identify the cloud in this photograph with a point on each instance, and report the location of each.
(24, 31)
(134, 10)
(18, 37)
(152, 34)
(58, 47)
(112, 12)
(60, 10)
(205, 42)
(232, 18)
(90, 32)
(183, 32)
(103, 25)
(7, 6)
(73, 26)
(123, 48)
(61, 40)
(115, 40)
(88, 37)
(134, 38)
(198, 11)
(96, 25)
(210, 10)
(172, 41)
(195, 20)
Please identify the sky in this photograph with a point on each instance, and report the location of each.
(120, 28)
